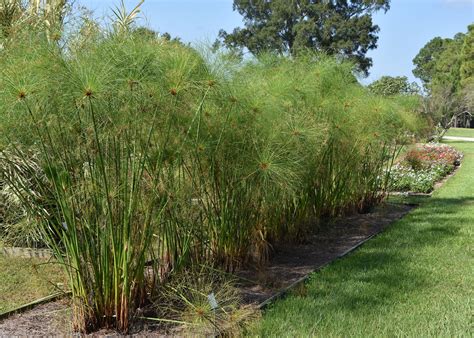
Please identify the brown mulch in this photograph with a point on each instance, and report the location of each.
(50, 319)
(289, 264)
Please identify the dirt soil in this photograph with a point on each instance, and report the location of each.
(289, 264)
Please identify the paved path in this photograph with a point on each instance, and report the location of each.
(458, 138)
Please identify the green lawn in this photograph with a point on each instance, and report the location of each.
(416, 279)
(23, 281)
(463, 132)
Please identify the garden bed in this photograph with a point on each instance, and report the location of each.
(290, 263)
(414, 280)
(436, 186)
(289, 266)
(423, 169)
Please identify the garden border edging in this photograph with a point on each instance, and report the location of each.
(260, 306)
(29, 306)
(300, 281)
(22, 252)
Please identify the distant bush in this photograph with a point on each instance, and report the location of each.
(398, 85)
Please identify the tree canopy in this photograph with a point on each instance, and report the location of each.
(336, 27)
(425, 60)
(467, 58)
(467, 69)
(446, 68)
(438, 63)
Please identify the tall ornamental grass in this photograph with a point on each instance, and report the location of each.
(153, 152)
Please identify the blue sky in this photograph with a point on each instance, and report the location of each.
(404, 29)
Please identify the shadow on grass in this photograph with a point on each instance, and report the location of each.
(392, 266)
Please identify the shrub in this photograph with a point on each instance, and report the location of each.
(427, 155)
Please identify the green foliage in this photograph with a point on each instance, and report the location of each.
(446, 100)
(438, 63)
(153, 152)
(342, 28)
(425, 60)
(414, 279)
(389, 86)
(467, 69)
(184, 300)
(444, 66)
(467, 57)
(447, 69)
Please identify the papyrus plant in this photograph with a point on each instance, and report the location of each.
(46, 15)
(106, 207)
(153, 152)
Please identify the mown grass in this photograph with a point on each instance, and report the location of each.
(413, 280)
(460, 132)
(25, 280)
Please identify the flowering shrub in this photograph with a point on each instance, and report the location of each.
(422, 167)
(426, 155)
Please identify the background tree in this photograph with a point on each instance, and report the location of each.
(467, 69)
(398, 85)
(445, 67)
(467, 57)
(336, 27)
(425, 60)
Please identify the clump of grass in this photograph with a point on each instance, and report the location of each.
(105, 215)
(188, 300)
